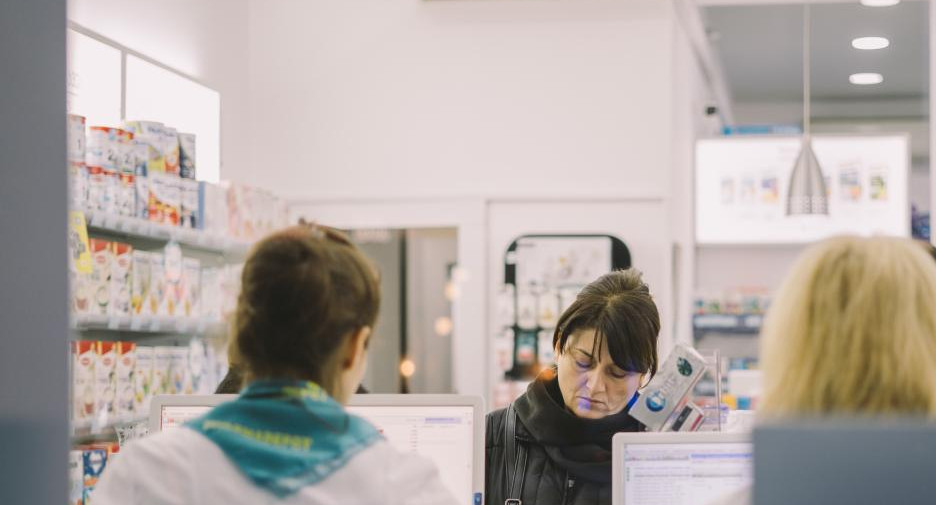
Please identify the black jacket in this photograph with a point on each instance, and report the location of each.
(568, 458)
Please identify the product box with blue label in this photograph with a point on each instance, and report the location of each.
(667, 390)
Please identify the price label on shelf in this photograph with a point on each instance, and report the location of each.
(155, 326)
(135, 324)
(113, 323)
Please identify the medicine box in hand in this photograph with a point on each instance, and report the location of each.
(669, 387)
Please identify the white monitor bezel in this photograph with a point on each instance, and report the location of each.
(438, 400)
(160, 401)
(643, 438)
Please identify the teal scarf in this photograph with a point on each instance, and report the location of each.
(285, 435)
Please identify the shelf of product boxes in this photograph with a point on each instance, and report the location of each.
(137, 227)
(149, 324)
(741, 324)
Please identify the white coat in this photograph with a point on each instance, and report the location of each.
(184, 467)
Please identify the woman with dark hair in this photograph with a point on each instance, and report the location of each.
(553, 444)
(308, 302)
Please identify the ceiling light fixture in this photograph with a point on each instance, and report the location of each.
(866, 79)
(879, 3)
(870, 43)
(807, 192)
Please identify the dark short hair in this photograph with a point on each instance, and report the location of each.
(618, 306)
(303, 291)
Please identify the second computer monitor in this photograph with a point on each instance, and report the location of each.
(446, 429)
(679, 468)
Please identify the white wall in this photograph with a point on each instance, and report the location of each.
(498, 118)
(432, 98)
(206, 39)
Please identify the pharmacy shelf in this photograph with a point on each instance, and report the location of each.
(86, 431)
(148, 324)
(739, 324)
(141, 228)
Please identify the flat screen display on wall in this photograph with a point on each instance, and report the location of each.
(742, 187)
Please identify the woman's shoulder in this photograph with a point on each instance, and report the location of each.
(158, 469)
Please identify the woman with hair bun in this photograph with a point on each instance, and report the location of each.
(308, 302)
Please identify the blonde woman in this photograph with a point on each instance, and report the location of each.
(852, 333)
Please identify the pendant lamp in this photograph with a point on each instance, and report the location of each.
(806, 193)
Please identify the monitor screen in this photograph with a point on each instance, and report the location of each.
(685, 473)
(443, 434)
(173, 416)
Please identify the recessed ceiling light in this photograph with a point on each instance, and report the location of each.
(870, 43)
(865, 79)
(879, 3)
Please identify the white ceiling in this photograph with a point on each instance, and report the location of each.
(761, 51)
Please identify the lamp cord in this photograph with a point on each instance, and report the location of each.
(806, 68)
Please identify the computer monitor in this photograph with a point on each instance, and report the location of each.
(171, 411)
(846, 462)
(679, 468)
(447, 429)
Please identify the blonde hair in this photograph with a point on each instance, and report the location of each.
(853, 331)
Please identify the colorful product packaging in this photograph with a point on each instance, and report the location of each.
(190, 216)
(110, 149)
(81, 264)
(102, 148)
(125, 195)
(171, 149)
(84, 356)
(75, 478)
(126, 155)
(162, 361)
(667, 391)
(78, 185)
(172, 272)
(141, 187)
(140, 155)
(126, 363)
(143, 379)
(105, 381)
(101, 189)
(187, 155)
(191, 287)
(141, 282)
(180, 377)
(150, 133)
(121, 283)
(94, 461)
(165, 199)
(98, 287)
(157, 291)
(77, 140)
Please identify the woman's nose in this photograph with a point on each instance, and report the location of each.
(593, 381)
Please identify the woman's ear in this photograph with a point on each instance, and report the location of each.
(356, 347)
(644, 380)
